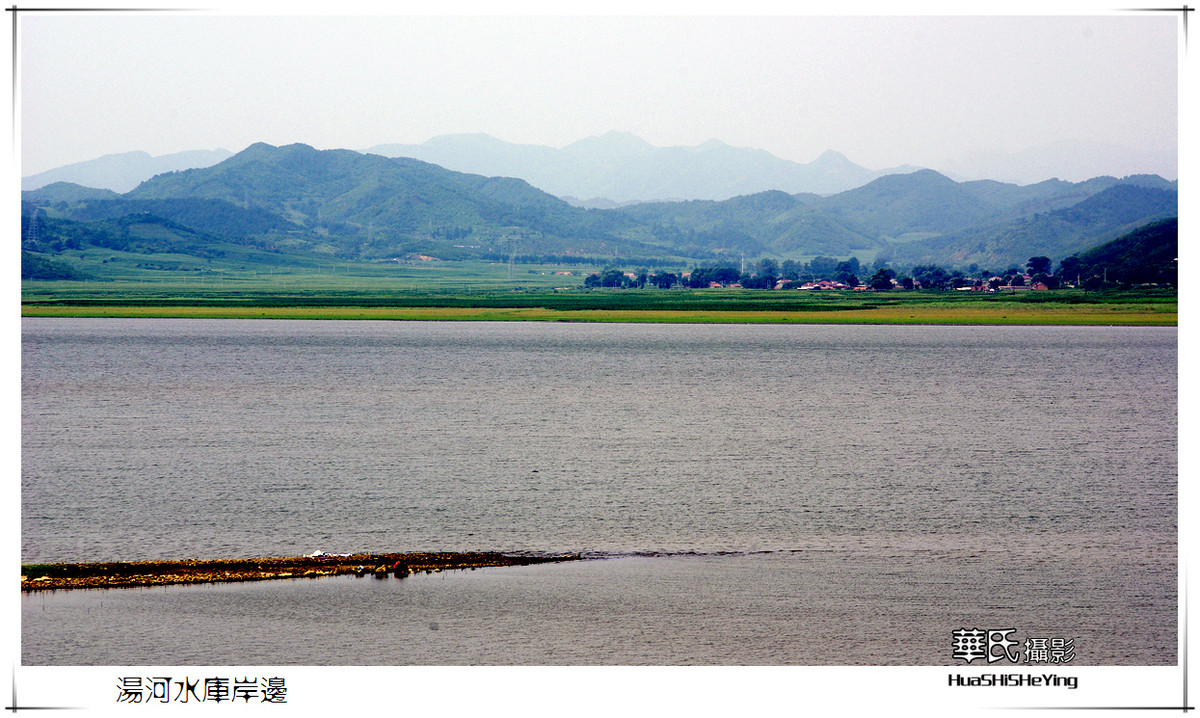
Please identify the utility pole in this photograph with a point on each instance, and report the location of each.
(512, 257)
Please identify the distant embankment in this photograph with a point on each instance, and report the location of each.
(1112, 314)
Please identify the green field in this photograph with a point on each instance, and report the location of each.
(481, 291)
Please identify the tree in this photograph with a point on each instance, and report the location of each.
(1049, 280)
(844, 272)
(882, 279)
(822, 267)
(37, 266)
(768, 273)
(930, 276)
(757, 281)
(702, 276)
(664, 280)
(1070, 268)
(1038, 265)
(727, 274)
(612, 278)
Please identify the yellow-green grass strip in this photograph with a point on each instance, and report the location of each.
(992, 314)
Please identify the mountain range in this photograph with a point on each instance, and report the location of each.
(605, 171)
(619, 167)
(294, 200)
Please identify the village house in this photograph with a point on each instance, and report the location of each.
(824, 284)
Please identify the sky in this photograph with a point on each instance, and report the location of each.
(1070, 96)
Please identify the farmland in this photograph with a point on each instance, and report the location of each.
(483, 292)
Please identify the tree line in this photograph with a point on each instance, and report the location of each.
(767, 273)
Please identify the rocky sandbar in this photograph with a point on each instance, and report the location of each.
(58, 576)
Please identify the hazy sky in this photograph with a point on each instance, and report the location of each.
(940, 91)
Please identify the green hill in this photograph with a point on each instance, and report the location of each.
(764, 223)
(1149, 254)
(923, 201)
(215, 216)
(371, 206)
(67, 193)
(1098, 218)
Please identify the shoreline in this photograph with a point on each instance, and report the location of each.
(135, 574)
(980, 315)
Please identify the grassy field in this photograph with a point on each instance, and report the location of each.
(243, 266)
(484, 291)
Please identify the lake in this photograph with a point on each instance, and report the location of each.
(745, 495)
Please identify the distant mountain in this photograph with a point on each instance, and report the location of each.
(1086, 159)
(619, 167)
(122, 172)
(282, 204)
(476, 154)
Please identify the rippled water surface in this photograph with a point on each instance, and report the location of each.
(753, 494)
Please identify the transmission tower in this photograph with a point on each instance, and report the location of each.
(31, 232)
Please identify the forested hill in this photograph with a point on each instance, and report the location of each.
(1149, 254)
(920, 217)
(369, 206)
(1103, 216)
